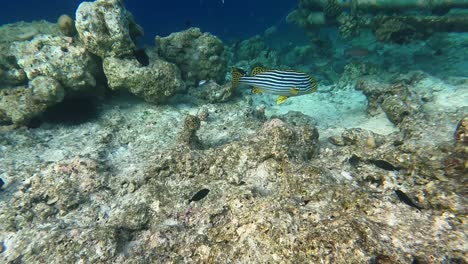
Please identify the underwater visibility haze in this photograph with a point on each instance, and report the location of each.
(301, 131)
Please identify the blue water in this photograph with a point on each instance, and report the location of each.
(230, 20)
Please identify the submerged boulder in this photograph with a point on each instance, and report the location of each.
(200, 56)
(107, 28)
(11, 75)
(19, 105)
(154, 83)
(56, 57)
(40, 71)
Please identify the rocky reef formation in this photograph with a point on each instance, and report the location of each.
(19, 105)
(199, 56)
(353, 17)
(423, 155)
(59, 58)
(240, 181)
(154, 83)
(106, 28)
(40, 66)
(103, 49)
(252, 51)
(124, 190)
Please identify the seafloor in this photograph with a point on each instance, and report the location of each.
(369, 169)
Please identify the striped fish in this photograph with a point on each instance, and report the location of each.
(285, 83)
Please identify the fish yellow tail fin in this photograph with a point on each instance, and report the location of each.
(236, 75)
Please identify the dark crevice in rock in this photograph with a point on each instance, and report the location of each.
(73, 111)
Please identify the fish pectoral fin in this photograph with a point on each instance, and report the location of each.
(281, 99)
(294, 91)
(256, 90)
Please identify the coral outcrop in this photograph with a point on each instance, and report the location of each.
(107, 28)
(59, 58)
(250, 49)
(188, 136)
(353, 16)
(19, 105)
(245, 181)
(154, 83)
(273, 195)
(21, 31)
(403, 29)
(199, 56)
(11, 74)
(40, 71)
(410, 107)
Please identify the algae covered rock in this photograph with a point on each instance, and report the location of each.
(251, 48)
(17, 107)
(11, 74)
(41, 72)
(59, 58)
(47, 90)
(395, 108)
(39, 67)
(154, 83)
(199, 56)
(188, 135)
(107, 28)
(21, 31)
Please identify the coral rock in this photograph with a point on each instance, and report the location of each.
(215, 93)
(46, 89)
(154, 83)
(199, 56)
(107, 28)
(66, 25)
(19, 105)
(59, 58)
(461, 133)
(395, 109)
(188, 135)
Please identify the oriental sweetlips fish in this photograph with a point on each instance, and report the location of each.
(285, 83)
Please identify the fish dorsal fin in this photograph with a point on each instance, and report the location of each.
(258, 70)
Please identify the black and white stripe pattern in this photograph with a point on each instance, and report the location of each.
(281, 82)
